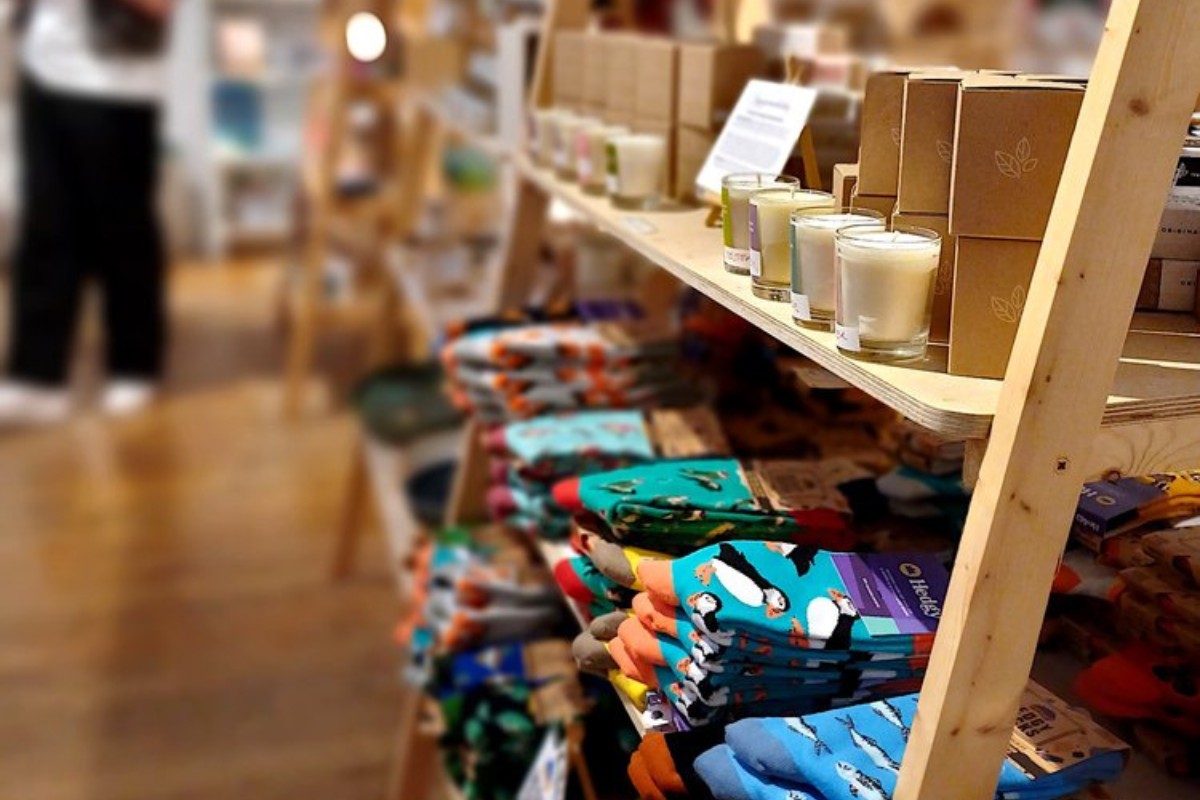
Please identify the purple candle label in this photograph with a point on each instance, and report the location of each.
(895, 593)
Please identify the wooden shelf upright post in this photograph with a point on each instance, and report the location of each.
(1135, 113)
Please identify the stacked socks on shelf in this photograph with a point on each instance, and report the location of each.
(775, 628)
(665, 763)
(1177, 551)
(582, 582)
(676, 506)
(922, 495)
(530, 456)
(855, 753)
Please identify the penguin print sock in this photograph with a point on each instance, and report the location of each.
(728, 779)
(618, 564)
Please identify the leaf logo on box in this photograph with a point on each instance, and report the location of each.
(1010, 310)
(945, 150)
(1017, 163)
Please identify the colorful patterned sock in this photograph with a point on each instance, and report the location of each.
(675, 506)
(605, 627)
(811, 599)
(1177, 550)
(583, 583)
(727, 779)
(1080, 574)
(1143, 678)
(570, 444)
(592, 655)
(617, 563)
(853, 753)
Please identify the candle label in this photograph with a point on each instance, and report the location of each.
(755, 244)
(847, 338)
(800, 307)
(737, 257)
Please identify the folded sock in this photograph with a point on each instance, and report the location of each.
(784, 591)
(592, 655)
(728, 779)
(642, 781)
(583, 583)
(674, 506)
(605, 627)
(670, 759)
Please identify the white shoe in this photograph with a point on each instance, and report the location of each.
(25, 405)
(125, 398)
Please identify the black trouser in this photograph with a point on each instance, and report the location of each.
(90, 175)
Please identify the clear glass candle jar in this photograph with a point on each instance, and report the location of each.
(591, 156)
(636, 170)
(564, 145)
(541, 141)
(735, 214)
(814, 262)
(885, 281)
(771, 237)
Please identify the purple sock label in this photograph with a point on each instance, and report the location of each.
(895, 593)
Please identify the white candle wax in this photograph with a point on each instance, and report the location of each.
(564, 155)
(592, 155)
(884, 288)
(771, 237)
(541, 141)
(813, 261)
(636, 166)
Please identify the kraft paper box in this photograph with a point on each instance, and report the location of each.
(711, 79)
(1169, 286)
(569, 67)
(657, 79)
(882, 115)
(884, 205)
(927, 142)
(991, 282)
(1011, 143)
(622, 72)
(845, 178)
(943, 288)
(1179, 230)
(692, 146)
(595, 70)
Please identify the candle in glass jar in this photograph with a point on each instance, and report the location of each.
(636, 168)
(564, 153)
(771, 237)
(813, 260)
(591, 158)
(885, 282)
(541, 141)
(735, 214)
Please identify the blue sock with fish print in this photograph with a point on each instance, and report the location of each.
(855, 754)
(728, 779)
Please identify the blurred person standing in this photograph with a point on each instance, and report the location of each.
(92, 75)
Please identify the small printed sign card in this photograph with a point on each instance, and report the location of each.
(547, 777)
(760, 135)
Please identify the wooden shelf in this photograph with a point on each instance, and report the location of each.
(1159, 377)
(552, 553)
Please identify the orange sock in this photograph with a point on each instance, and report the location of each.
(655, 615)
(641, 642)
(640, 777)
(656, 577)
(630, 665)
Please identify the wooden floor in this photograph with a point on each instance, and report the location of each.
(166, 627)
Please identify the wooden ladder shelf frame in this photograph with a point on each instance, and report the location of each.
(1042, 441)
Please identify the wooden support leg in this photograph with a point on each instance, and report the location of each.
(467, 502)
(306, 309)
(973, 461)
(1105, 218)
(518, 270)
(575, 733)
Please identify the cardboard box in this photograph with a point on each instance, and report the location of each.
(884, 205)
(991, 283)
(595, 70)
(927, 142)
(845, 178)
(667, 131)
(657, 76)
(1011, 143)
(711, 79)
(569, 67)
(433, 63)
(1169, 286)
(1178, 233)
(882, 115)
(692, 146)
(622, 71)
(943, 289)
